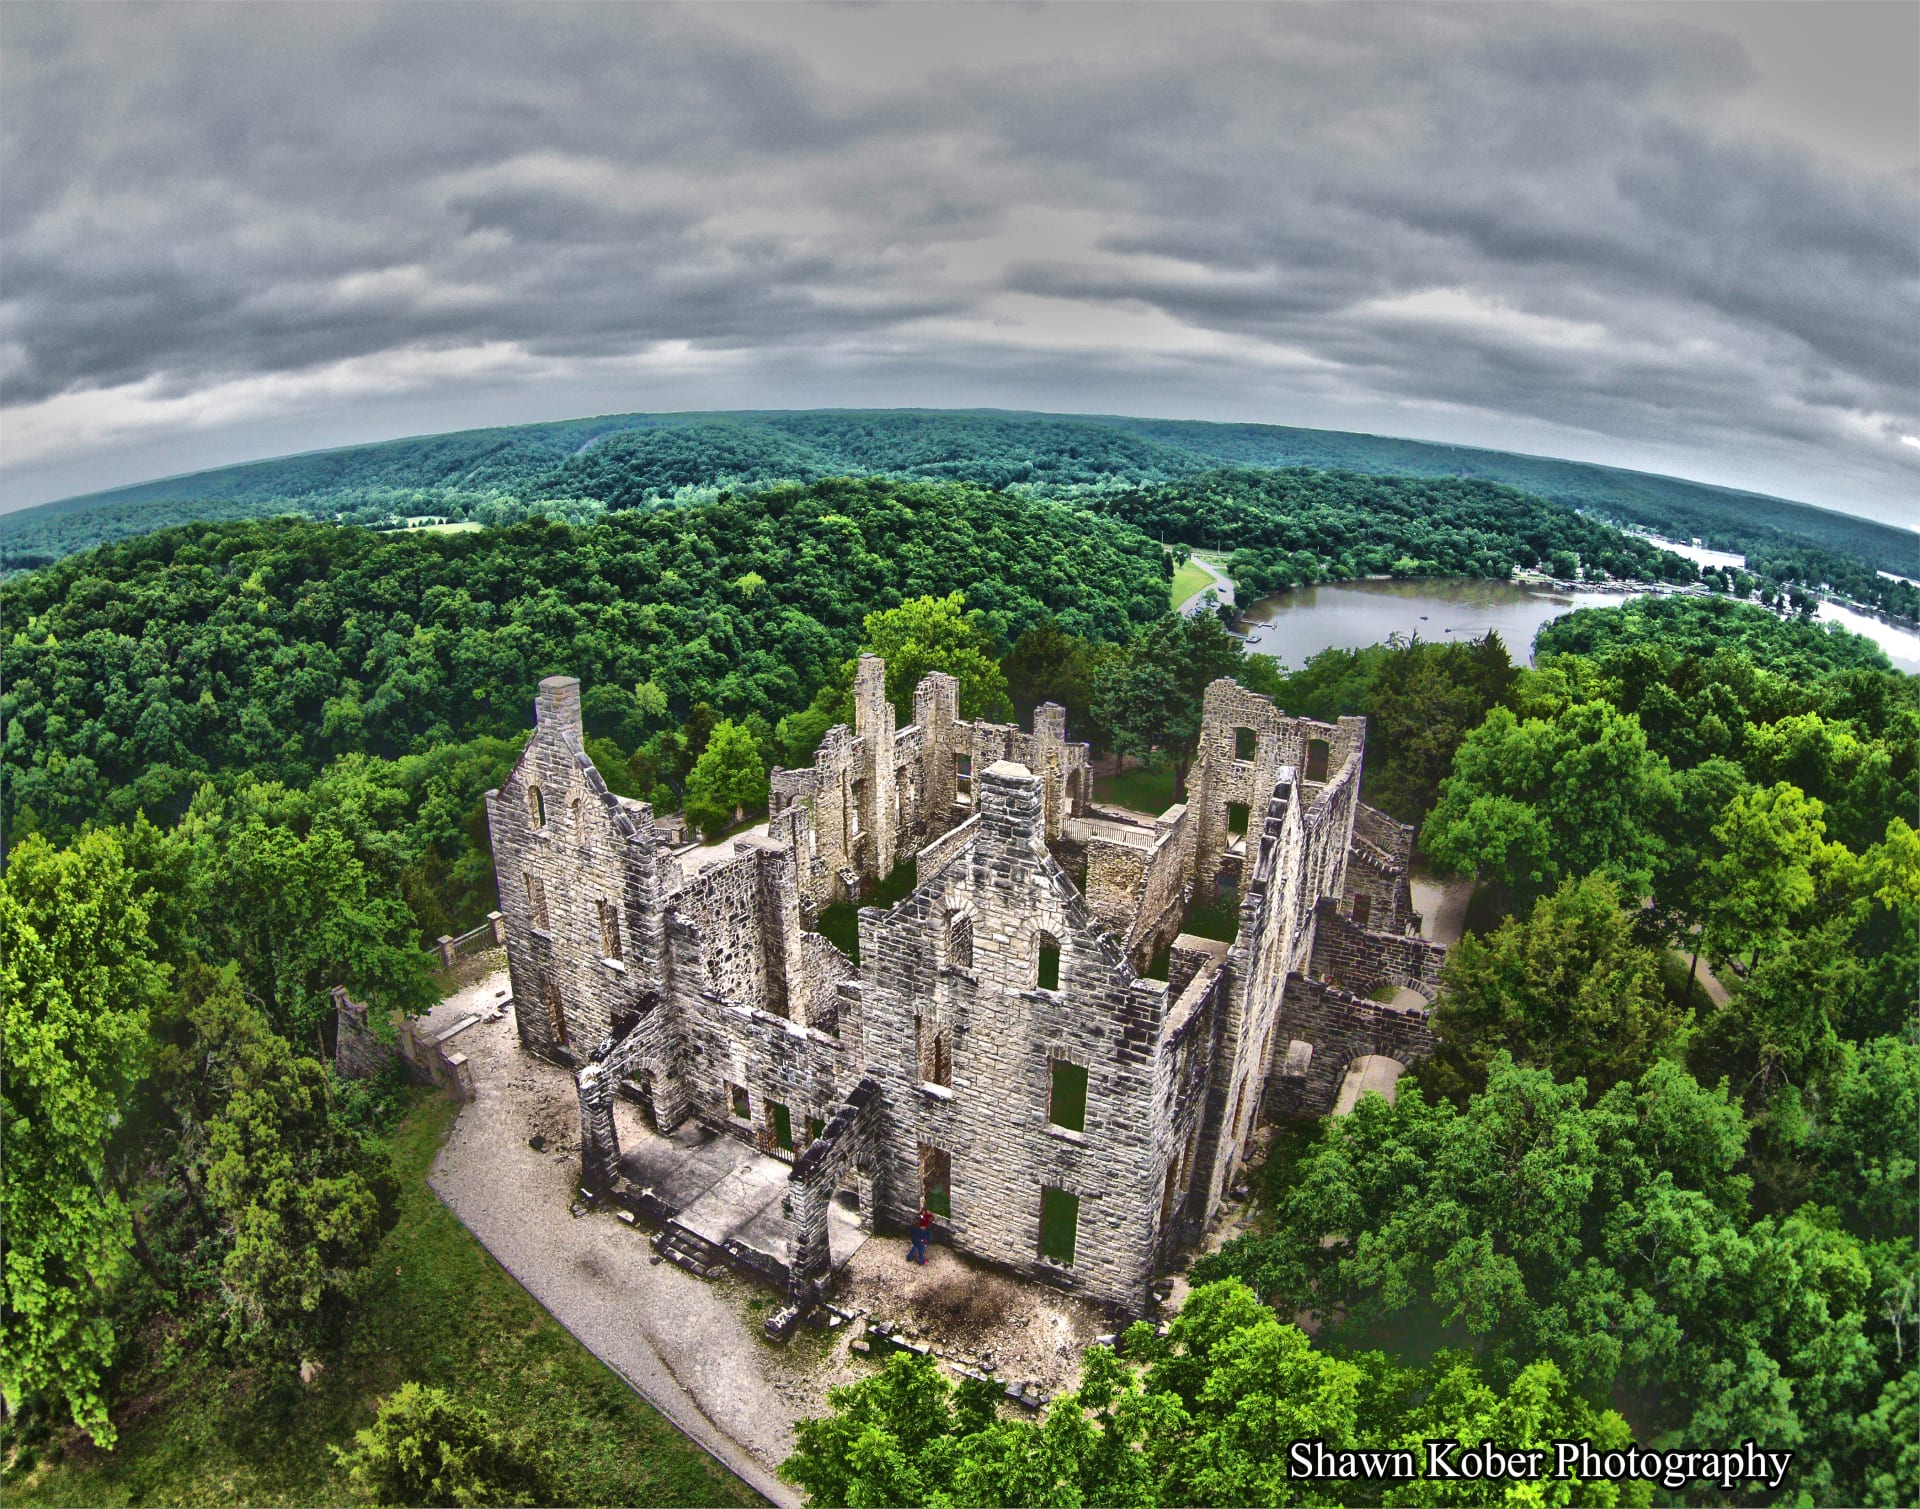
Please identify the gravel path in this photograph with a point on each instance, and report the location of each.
(685, 1345)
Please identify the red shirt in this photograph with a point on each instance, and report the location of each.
(926, 1219)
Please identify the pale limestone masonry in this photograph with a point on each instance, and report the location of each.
(950, 1060)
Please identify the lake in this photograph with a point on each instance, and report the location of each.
(1902, 645)
(1293, 626)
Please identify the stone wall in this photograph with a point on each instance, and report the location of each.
(358, 1052)
(1140, 889)
(1360, 960)
(565, 848)
(1338, 1027)
(1377, 893)
(1002, 1033)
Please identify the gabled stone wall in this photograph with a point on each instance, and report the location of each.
(992, 1120)
(720, 987)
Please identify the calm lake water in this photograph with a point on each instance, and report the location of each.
(1296, 625)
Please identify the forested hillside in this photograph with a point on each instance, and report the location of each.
(577, 468)
(254, 753)
(138, 671)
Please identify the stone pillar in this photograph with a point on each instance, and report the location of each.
(1050, 756)
(936, 708)
(599, 1140)
(809, 1259)
(445, 944)
(499, 925)
(1010, 807)
(557, 707)
(873, 721)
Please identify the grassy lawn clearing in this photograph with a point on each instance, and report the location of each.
(1140, 788)
(1189, 578)
(441, 1310)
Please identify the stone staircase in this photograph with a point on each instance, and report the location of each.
(689, 1250)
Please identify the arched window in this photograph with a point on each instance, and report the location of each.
(536, 807)
(960, 940)
(1046, 973)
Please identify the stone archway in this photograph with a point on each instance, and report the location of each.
(1367, 1072)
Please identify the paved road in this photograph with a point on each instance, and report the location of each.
(680, 1342)
(1222, 587)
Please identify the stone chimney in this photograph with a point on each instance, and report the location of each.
(1011, 805)
(558, 707)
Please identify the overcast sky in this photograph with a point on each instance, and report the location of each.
(1682, 237)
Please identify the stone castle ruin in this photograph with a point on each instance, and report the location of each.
(1028, 1043)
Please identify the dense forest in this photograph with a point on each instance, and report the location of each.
(576, 469)
(1657, 1183)
(136, 672)
(1284, 528)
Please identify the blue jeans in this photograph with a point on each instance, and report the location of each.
(917, 1253)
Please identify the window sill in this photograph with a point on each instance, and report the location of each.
(1065, 1134)
(617, 965)
(936, 1092)
(541, 932)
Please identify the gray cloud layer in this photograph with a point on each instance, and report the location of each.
(234, 230)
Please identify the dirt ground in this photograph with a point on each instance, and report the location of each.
(695, 1348)
(971, 1315)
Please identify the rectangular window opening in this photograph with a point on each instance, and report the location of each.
(960, 941)
(936, 1180)
(780, 1124)
(610, 931)
(1362, 909)
(815, 1127)
(742, 1103)
(1067, 1095)
(1237, 817)
(1047, 975)
(1316, 759)
(556, 1013)
(1059, 1224)
(537, 901)
(963, 779)
(933, 1049)
(1244, 744)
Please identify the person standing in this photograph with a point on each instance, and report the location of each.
(922, 1229)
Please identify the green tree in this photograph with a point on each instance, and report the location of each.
(291, 900)
(938, 634)
(1774, 862)
(1614, 1238)
(1532, 802)
(1567, 989)
(77, 987)
(727, 779)
(424, 1448)
(302, 1199)
(1047, 664)
(1151, 694)
(1204, 1415)
(1423, 700)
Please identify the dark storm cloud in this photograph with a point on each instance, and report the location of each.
(1502, 226)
